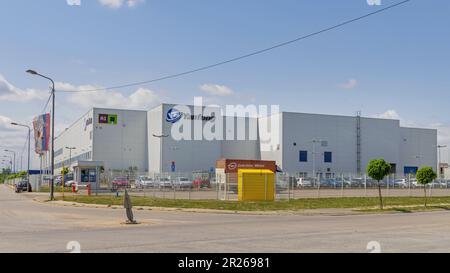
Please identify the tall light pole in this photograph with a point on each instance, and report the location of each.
(439, 147)
(70, 154)
(29, 148)
(161, 137)
(9, 161)
(32, 72)
(314, 141)
(14, 165)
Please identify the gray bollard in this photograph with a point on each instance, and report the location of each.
(129, 209)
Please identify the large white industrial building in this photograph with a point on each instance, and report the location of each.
(299, 143)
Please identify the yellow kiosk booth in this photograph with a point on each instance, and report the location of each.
(253, 180)
(256, 185)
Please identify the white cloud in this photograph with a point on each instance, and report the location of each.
(133, 3)
(389, 114)
(216, 90)
(73, 2)
(11, 137)
(115, 4)
(142, 98)
(5, 124)
(9, 92)
(350, 84)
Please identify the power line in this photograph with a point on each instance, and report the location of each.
(243, 56)
(45, 107)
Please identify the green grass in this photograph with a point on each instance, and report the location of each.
(363, 203)
(55, 189)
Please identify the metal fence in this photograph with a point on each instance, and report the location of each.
(200, 185)
(210, 186)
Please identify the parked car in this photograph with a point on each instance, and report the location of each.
(304, 182)
(120, 183)
(328, 182)
(183, 182)
(201, 183)
(345, 182)
(437, 184)
(280, 187)
(70, 183)
(144, 182)
(201, 179)
(165, 182)
(23, 186)
(415, 184)
(357, 182)
(401, 183)
(58, 181)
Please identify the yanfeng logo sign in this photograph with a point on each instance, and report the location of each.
(173, 116)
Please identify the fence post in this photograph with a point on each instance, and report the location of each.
(174, 191)
(290, 189)
(226, 186)
(409, 185)
(388, 181)
(365, 185)
(318, 186)
(342, 186)
(294, 186)
(217, 189)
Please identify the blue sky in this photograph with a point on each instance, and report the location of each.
(394, 64)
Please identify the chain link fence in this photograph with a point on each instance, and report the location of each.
(201, 185)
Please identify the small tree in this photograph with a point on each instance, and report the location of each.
(378, 169)
(64, 171)
(425, 176)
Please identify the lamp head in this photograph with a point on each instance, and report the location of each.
(32, 72)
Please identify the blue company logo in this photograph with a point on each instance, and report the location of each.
(173, 115)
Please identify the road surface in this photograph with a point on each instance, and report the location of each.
(28, 226)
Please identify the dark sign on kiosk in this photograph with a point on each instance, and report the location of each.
(233, 165)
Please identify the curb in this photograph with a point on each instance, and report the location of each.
(312, 212)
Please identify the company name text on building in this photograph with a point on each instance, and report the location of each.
(229, 122)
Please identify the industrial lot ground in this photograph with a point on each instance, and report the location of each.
(30, 223)
(368, 204)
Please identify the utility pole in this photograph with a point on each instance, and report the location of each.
(32, 72)
(70, 155)
(29, 148)
(314, 141)
(439, 147)
(14, 165)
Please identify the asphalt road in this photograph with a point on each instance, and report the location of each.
(27, 226)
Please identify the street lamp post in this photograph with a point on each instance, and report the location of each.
(9, 161)
(161, 150)
(70, 154)
(29, 147)
(439, 147)
(14, 165)
(32, 72)
(314, 141)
